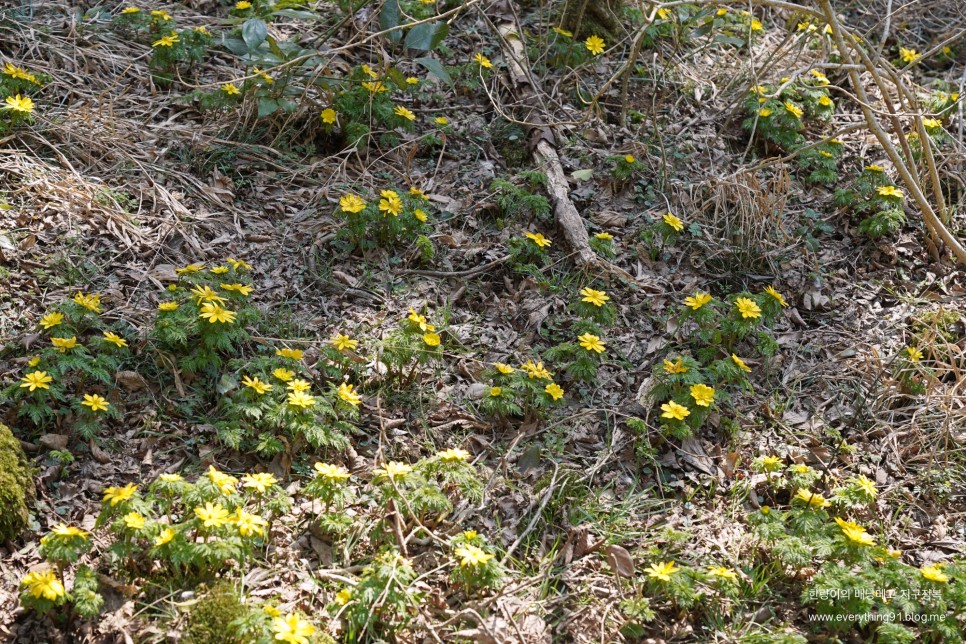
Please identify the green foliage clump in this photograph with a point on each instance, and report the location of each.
(873, 195)
(16, 87)
(16, 486)
(384, 220)
(382, 603)
(695, 385)
(212, 620)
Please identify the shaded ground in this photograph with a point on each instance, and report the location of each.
(119, 181)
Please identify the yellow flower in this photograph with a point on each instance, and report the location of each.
(756, 25)
(255, 384)
(33, 362)
(345, 393)
(420, 215)
(224, 482)
(441, 120)
(539, 239)
(165, 537)
(241, 5)
(393, 470)
(283, 374)
(554, 390)
(855, 533)
(674, 411)
(366, 69)
(294, 354)
(934, 573)
(505, 369)
(114, 339)
(663, 13)
(64, 530)
(390, 203)
(241, 289)
(629, 159)
(661, 571)
(238, 264)
(454, 455)
(412, 80)
(932, 124)
(43, 584)
(375, 87)
(470, 555)
(812, 499)
(63, 344)
(248, 523)
(703, 395)
(595, 45)
(51, 320)
(95, 402)
(18, 103)
(775, 294)
(171, 478)
(404, 113)
(343, 342)
(260, 481)
(432, 339)
(908, 55)
(416, 192)
(212, 515)
(800, 468)
(604, 236)
(723, 11)
(866, 485)
(722, 573)
(793, 109)
(698, 300)
(328, 116)
(824, 101)
(914, 354)
(764, 113)
(771, 463)
(219, 270)
(597, 298)
(420, 320)
(292, 629)
(496, 392)
(115, 495)
(675, 367)
(168, 306)
(36, 380)
(874, 168)
(673, 222)
(166, 41)
(130, 10)
(215, 313)
(343, 597)
(271, 611)
(160, 14)
(300, 399)
(351, 203)
(748, 308)
(741, 363)
(591, 342)
(482, 60)
(537, 371)
(134, 521)
(563, 32)
(201, 29)
(206, 294)
(13, 71)
(332, 473)
(91, 301)
(890, 191)
(299, 385)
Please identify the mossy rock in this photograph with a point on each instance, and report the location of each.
(17, 490)
(209, 621)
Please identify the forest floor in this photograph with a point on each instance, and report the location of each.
(120, 179)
